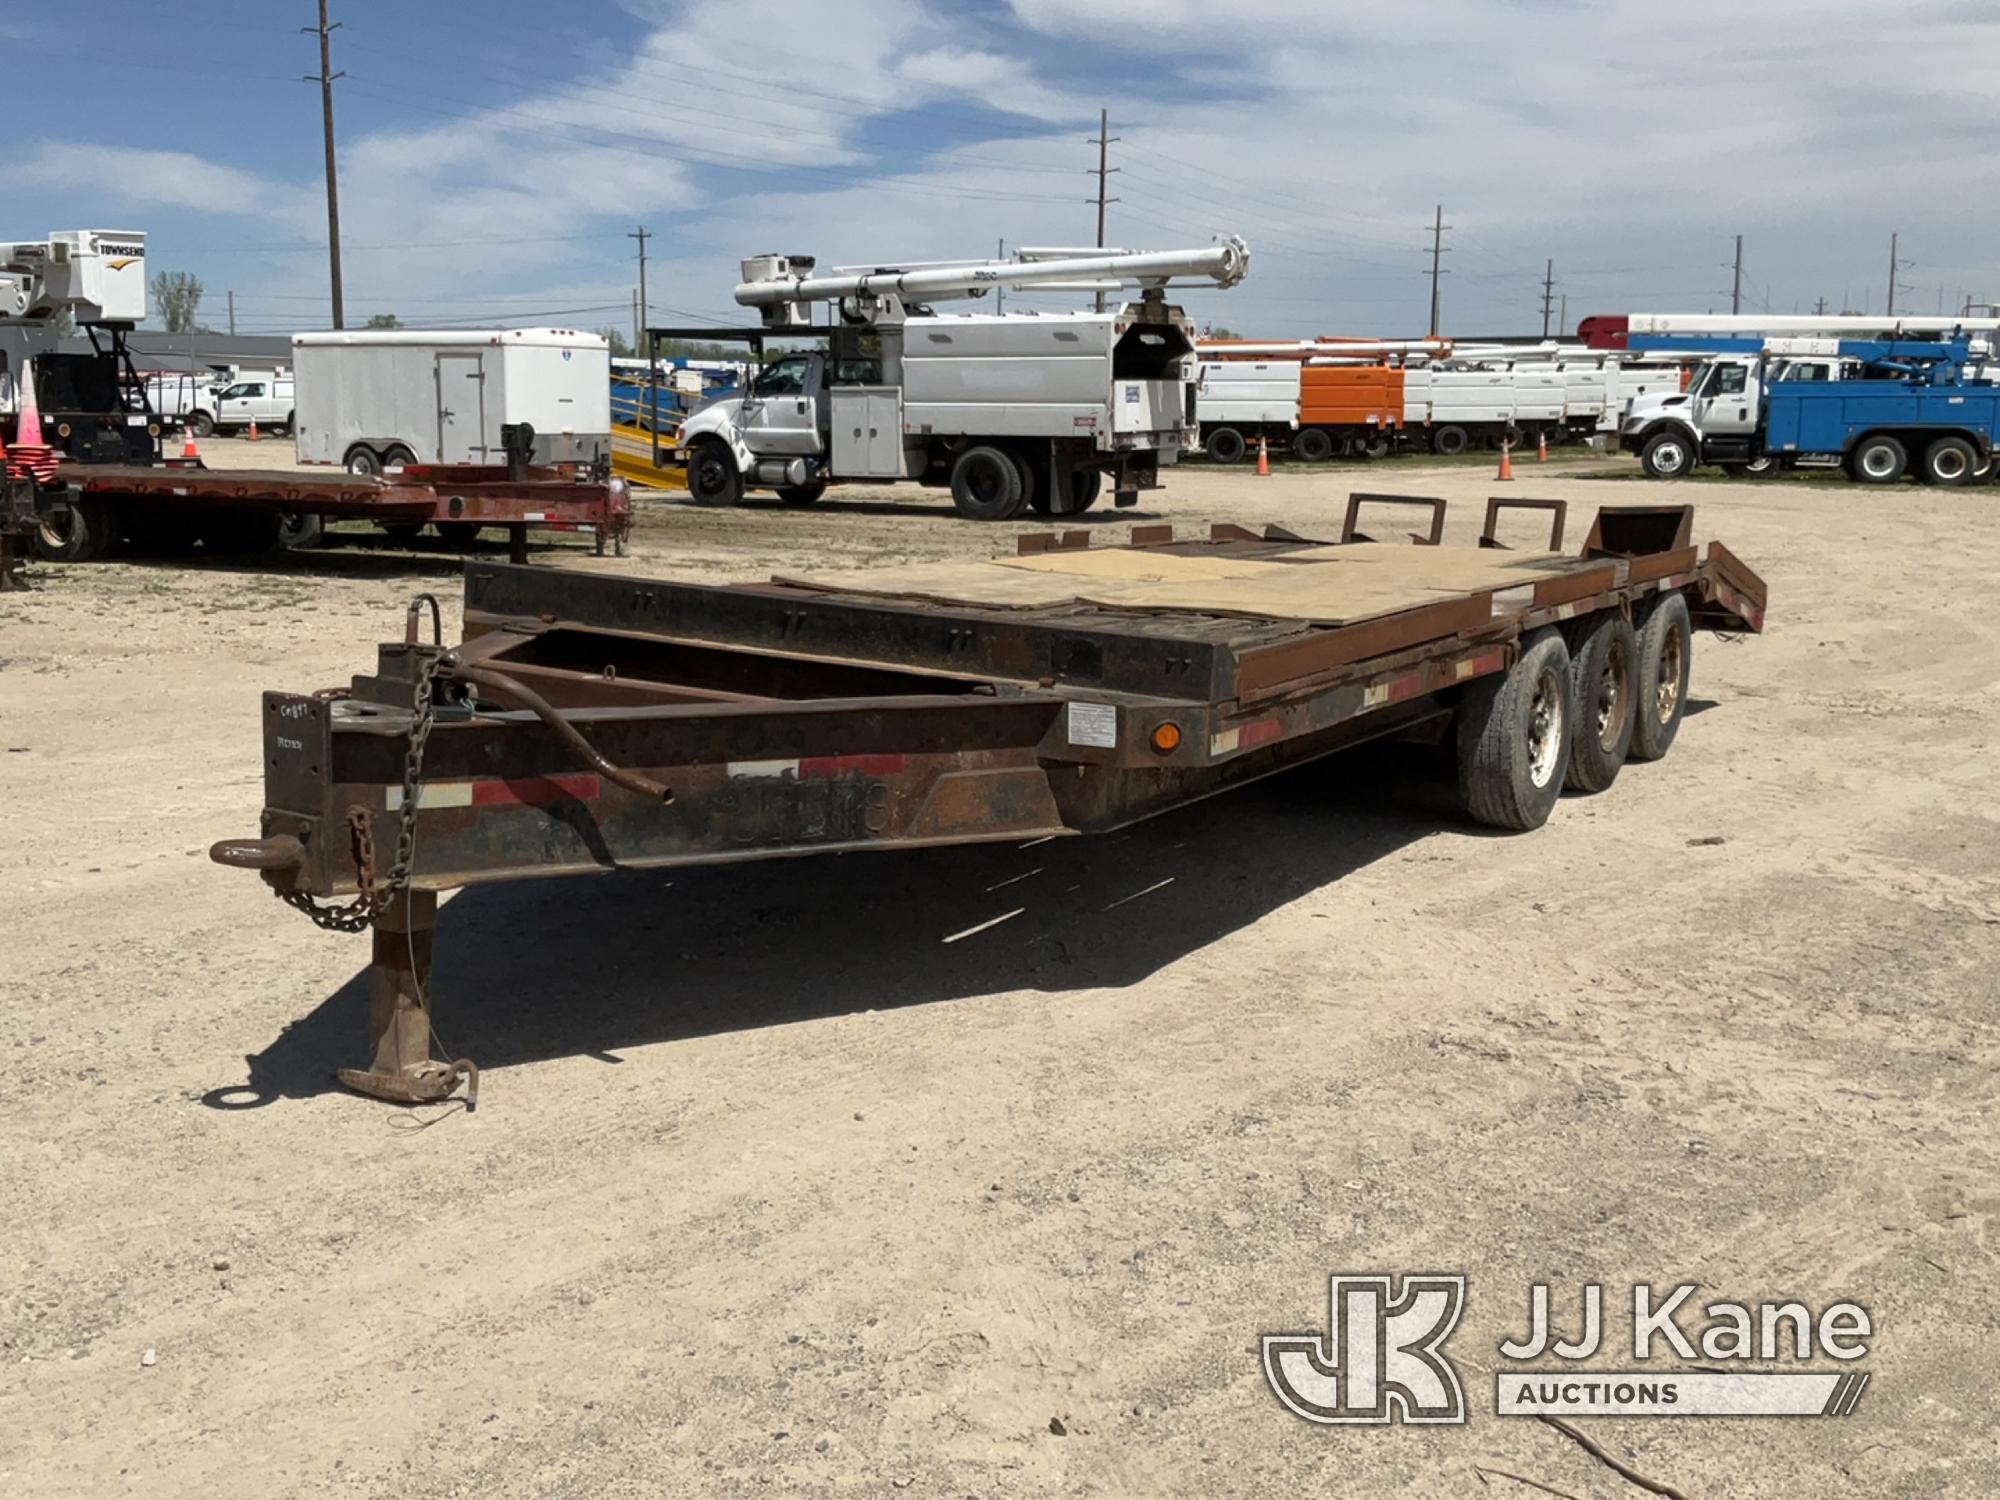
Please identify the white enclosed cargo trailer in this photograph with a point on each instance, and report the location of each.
(369, 400)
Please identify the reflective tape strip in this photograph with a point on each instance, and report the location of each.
(762, 767)
(527, 791)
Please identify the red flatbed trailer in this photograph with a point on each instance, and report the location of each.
(95, 505)
(589, 722)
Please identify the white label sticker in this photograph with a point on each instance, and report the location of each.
(1094, 724)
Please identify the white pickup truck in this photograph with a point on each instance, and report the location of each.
(229, 404)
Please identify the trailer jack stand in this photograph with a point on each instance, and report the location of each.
(399, 1019)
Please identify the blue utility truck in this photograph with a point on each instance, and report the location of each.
(1881, 408)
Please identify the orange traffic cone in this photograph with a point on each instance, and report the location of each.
(1541, 447)
(188, 449)
(1263, 457)
(252, 434)
(1506, 459)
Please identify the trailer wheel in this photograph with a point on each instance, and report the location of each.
(1878, 460)
(397, 457)
(1667, 455)
(75, 529)
(712, 475)
(1450, 440)
(301, 531)
(363, 460)
(801, 494)
(1312, 445)
(1664, 648)
(986, 486)
(1225, 446)
(1603, 652)
(1514, 731)
(1950, 461)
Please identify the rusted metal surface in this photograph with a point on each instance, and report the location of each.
(589, 722)
(1359, 498)
(1558, 517)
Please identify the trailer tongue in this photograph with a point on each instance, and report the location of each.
(589, 722)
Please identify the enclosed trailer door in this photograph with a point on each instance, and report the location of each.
(461, 408)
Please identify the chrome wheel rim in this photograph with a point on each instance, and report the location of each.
(1545, 727)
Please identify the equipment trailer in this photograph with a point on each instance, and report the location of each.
(589, 722)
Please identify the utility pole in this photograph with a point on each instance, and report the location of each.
(1000, 292)
(1104, 140)
(1895, 268)
(1562, 319)
(641, 234)
(1548, 294)
(1819, 308)
(1736, 288)
(1438, 227)
(324, 78)
(232, 313)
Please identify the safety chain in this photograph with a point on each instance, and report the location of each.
(356, 915)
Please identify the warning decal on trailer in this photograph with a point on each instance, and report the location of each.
(1094, 724)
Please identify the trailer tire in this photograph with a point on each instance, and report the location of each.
(301, 531)
(1664, 648)
(1514, 736)
(1950, 461)
(986, 485)
(1450, 440)
(1669, 454)
(1312, 445)
(397, 456)
(1879, 459)
(76, 529)
(801, 494)
(362, 459)
(201, 424)
(1603, 657)
(712, 475)
(1225, 445)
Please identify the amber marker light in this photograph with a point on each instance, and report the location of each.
(1166, 738)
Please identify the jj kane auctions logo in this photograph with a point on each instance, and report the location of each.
(1382, 1357)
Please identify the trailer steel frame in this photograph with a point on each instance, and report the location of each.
(590, 722)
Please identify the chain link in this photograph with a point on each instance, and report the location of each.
(372, 898)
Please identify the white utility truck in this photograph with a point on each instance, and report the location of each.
(1010, 410)
(375, 399)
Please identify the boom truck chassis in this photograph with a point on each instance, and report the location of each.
(589, 722)
(1008, 411)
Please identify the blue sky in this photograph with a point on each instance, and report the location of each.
(494, 156)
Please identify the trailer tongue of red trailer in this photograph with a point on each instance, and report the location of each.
(589, 722)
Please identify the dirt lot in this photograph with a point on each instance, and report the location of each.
(771, 1190)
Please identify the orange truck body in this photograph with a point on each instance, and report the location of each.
(1351, 396)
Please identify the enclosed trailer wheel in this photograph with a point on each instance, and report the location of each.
(363, 460)
(1514, 731)
(986, 486)
(1312, 445)
(1665, 648)
(76, 528)
(1225, 445)
(1603, 650)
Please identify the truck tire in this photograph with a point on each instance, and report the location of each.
(1312, 445)
(75, 528)
(301, 531)
(986, 486)
(712, 475)
(1603, 656)
(1450, 440)
(1034, 495)
(1084, 487)
(1664, 648)
(1514, 736)
(1878, 459)
(1669, 454)
(201, 424)
(1950, 461)
(1374, 446)
(362, 459)
(1225, 445)
(801, 494)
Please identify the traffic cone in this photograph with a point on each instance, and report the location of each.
(1541, 447)
(1506, 459)
(1263, 457)
(28, 424)
(188, 449)
(251, 436)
